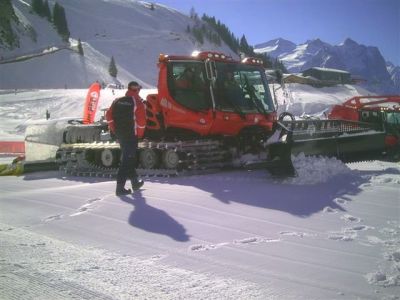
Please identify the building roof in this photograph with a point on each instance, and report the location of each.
(328, 70)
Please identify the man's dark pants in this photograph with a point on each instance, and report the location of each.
(127, 168)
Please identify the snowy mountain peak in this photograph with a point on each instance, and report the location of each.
(364, 61)
(276, 47)
(316, 42)
(394, 72)
(276, 42)
(314, 46)
(349, 43)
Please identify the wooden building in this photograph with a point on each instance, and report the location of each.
(328, 76)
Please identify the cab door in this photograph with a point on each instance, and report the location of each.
(187, 103)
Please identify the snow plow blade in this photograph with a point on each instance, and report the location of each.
(346, 140)
(278, 161)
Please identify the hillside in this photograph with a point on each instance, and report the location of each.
(130, 31)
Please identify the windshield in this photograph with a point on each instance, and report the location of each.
(393, 118)
(242, 88)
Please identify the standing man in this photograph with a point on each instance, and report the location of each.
(128, 123)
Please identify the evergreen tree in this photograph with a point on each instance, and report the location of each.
(245, 47)
(80, 48)
(238, 46)
(280, 66)
(37, 7)
(8, 37)
(193, 14)
(56, 13)
(46, 10)
(223, 32)
(112, 69)
(60, 21)
(279, 76)
(198, 34)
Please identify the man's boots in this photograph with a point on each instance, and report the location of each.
(136, 183)
(120, 191)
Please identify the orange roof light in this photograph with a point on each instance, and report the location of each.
(211, 55)
(252, 61)
(162, 57)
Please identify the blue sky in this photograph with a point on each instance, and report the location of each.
(368, 22)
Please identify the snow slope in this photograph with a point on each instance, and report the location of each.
(232, 235)
(129, 31)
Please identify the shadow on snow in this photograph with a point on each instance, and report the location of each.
(152, 219)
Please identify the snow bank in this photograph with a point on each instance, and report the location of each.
(313, 170)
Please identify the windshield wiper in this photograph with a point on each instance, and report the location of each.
(252, 96)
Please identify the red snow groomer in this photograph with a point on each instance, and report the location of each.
(381, 111)
(210, 111)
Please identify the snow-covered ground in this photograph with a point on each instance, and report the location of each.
(230, 235)
(333, 232)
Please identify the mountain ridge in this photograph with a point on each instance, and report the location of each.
(363, 61)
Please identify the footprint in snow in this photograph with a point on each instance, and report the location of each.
(331, 210)
(382, 278)
(249, 240)
(348, 234)
(52, 218)
(340, 201)
(245, 241)
(90, 205)
(93, 200)
(294, 233)
(350, 218)
(255, 240)
(158, 257)
(374, 240)
(201, 247)
(360, 228)
(342, 237)
(393, 256)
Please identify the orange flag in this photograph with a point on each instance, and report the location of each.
(92, 100)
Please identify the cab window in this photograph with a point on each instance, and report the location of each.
(187, 85)
(242, 88)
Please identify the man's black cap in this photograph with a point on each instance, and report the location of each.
(134, 84)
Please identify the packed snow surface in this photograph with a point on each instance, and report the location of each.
(228, 235)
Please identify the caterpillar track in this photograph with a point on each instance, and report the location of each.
(101, 159)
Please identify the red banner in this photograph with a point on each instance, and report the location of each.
(92, 100)
(12, 147)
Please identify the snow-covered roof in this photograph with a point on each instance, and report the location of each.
(329, 70)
